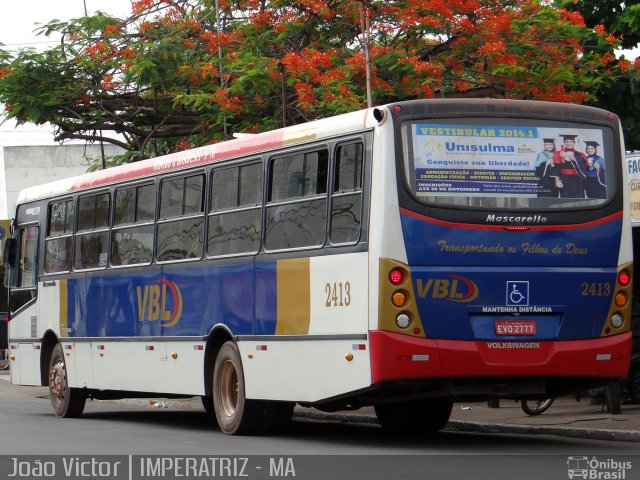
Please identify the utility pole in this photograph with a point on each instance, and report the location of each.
(224, 117)
(102, 161)
(365, 25)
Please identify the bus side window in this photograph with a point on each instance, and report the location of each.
(28, 257)
(133, 229)
(296, 211)
(235, 217)
(346, 200)
(58, 243)
(181, 221)
(92, 237)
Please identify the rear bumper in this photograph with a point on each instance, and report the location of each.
(397, 357)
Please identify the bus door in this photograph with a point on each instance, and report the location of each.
(21, 276)
(5, 232)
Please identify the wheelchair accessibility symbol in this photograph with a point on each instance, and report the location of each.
(517, 293)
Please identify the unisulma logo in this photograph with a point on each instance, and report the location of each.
(479, 147)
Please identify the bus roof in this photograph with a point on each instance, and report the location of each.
(318, 129)
(254, 144)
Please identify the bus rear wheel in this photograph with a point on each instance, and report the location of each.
(234, 413)
(67, 402)
(207, 403)
(277, 416)
(415, 416)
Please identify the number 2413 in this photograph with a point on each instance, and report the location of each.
(338, 294)
(596, 289)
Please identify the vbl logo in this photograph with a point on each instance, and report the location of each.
(154, 301)
(458, 289)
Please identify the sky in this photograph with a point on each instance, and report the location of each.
(18, 20)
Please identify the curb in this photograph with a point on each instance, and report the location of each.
(452, 426)
(483, 427)
(585, 433)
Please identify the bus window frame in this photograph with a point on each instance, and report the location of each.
(18, 289)
(78, 234)
(49, 237)
(154, 182)
(570, 214)
(268, 203)
(333, 194)
(260, 206)
(202, 172)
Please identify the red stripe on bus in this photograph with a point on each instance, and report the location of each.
(472, 226)
(180, 160)
(392, 357)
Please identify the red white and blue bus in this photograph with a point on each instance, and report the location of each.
(404, 256)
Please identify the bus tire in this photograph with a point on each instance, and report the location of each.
(277, 416)
(66, 402)
(207, 403)
(415, 416)
(234, 413)
(634, 384)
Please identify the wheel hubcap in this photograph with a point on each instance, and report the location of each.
(229, 388)
(56, 381)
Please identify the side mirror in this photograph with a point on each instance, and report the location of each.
(10, 250)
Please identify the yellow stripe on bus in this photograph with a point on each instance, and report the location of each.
(64, 322)
(299, 133)
(293, 297)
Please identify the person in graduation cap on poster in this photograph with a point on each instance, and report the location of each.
(571, 167)
(544, 170)
(595, 184)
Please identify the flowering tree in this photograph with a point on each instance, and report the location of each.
(622, 93)
(178, 73)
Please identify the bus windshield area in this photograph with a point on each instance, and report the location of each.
(489, 164)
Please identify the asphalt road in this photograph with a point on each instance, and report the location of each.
(312, 448)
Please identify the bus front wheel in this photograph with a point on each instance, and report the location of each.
(415, 416)
(234, 413)
(67, 402)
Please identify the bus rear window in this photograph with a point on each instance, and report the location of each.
(508, 163)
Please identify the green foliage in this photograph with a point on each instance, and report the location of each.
(95, 163)
(619, 18)
(619, 92)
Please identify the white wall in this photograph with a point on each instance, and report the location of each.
(26, 166)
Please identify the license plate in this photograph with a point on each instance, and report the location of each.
(515, 327)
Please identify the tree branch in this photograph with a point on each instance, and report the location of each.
(91, 138)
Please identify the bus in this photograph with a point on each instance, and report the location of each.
(633, 171)
(5, 229)
(402, 257)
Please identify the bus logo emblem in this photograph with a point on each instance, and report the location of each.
(161, 301)
(455, 288)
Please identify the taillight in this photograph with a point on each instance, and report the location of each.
(396, 276)
(624, 278)
(399, 298)
(403, 320)
(621, 299)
